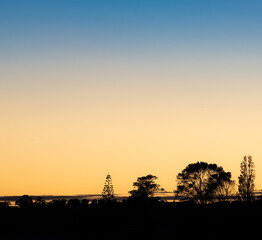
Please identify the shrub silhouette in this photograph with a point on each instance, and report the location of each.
(39, 201)
(74, 203)
(24, 202)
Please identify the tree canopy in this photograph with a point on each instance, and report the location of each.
(24, 201)
(203, 182)
(145, 187)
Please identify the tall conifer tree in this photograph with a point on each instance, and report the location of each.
(108, 190)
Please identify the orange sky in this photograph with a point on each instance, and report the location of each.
(65, 139)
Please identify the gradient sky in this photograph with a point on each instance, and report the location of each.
(127, 87)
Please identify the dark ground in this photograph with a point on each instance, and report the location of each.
(135, 221)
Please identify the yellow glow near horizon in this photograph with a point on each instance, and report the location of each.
(63, 138)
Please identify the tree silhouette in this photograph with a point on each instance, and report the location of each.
(85, 202)
(203, 182)
(74, 203)
(224, 186)
(145, 187)
(246, 179)
(5, 204)
(39, 201)
(108, 190)
(24, 201)
(58, 203)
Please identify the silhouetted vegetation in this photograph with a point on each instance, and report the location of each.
(246, 179)
(143, 215)
(62, 219)
(4, 204)
(108, 191)
(145, 187)
(24, 202)
(204, 182)
(144, 190)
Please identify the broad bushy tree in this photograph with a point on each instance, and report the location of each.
(204, 182)
(145, 187)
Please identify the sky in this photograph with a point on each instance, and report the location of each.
(126, 87)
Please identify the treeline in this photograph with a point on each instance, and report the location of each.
(199, 183)
(204, 207)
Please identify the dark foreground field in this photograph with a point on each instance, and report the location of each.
(138, 221)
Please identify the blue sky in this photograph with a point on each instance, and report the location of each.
(165, 35)
(123, 27)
